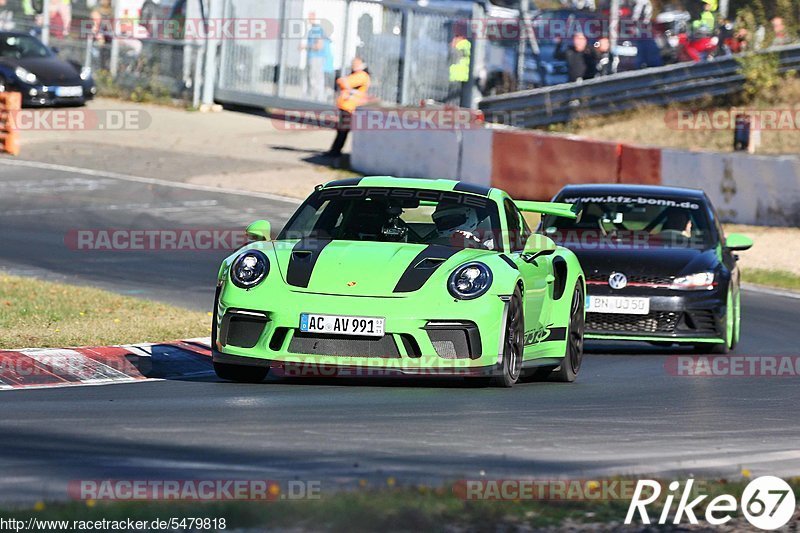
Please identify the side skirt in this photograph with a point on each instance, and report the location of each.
(542, 361)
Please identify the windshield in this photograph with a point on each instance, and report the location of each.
(636, 220)
(415, 216)
(22, 47)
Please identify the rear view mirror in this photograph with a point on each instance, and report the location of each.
(260, 230)
(738, 242)
(538, 243)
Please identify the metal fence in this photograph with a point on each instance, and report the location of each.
(159, 67)
(162, 68)
(406, 48)
(620, 92)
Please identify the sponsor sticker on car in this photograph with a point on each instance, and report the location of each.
(617, 304)
(342, 325)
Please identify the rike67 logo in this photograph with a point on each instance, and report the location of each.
(767, 503)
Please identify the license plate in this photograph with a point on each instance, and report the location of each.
(69, 92)
(368, 326)
(617, 304)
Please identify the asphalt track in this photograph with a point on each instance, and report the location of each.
(626, 414)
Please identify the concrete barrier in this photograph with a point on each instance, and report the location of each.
(411, 154)
(746, 189)
(532, 165)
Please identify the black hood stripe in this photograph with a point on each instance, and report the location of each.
(414, 278)
(463, 186)
(301, 263)
(508, 261)
(347, 182)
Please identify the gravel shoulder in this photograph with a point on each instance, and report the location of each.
(773, 248)
(227, 149)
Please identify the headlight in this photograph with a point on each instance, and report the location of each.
(85, 73)
(24, 75)
(249, 269)
(470, 281)
(692, 282)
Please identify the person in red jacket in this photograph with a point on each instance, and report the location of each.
(352, 93)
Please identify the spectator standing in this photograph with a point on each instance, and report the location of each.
(580, 59)
(642, 11)
(461, 53)
(60, 17)
(606, 61)
(317, 48)
(779, 30)
(707, 18)
(352, 93)
(6, 17)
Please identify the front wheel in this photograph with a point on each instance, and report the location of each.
(241, 373)
(514, 342)
(573, 358)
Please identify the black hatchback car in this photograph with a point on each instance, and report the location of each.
(659, 267)
(43, 78)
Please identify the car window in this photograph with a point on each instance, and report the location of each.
(397, 215)
(518, 229)
(22, 47)
(640, 220)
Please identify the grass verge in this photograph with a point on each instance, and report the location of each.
(43, 314)
(658, 126)
(411, 508)
(771, 278)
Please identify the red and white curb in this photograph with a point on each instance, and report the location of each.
(57, 367)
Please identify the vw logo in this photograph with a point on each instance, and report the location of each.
(617, 280)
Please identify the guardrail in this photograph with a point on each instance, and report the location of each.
(620, 92)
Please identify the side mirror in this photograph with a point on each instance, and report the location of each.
(538, 245)
(260, 230)
(738, 242)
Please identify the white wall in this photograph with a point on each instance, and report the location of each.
(447, 153)
(746, 189)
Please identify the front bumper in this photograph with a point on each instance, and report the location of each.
(447, 337)
(45, 95)
(680, 316)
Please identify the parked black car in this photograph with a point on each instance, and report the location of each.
(658, 265)
(43, 78)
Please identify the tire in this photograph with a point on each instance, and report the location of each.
(573, 358)
(241, 373)
(730, 327)
(737, 320)
(513, 342)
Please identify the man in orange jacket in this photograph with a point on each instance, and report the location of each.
(352, 93)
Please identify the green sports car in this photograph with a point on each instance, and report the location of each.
(383, 276)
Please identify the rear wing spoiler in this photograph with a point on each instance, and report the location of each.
(549, 208)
